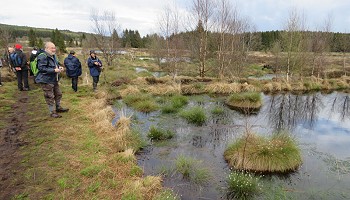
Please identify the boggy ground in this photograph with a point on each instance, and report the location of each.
(13, 121)
(73, 157)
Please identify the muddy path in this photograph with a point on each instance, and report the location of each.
(13, 128)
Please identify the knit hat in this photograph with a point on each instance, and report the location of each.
(92, 51)
(18, 46)
(72, 52)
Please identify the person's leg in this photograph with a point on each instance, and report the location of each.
(75, 83)
(58, 97)
(50, 99)
(94, 82)
(19, 80)
(25, 79)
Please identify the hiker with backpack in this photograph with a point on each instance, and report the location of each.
(18, 60)
(73, 69)
(33, 55)
(48, 77)
(95, 67)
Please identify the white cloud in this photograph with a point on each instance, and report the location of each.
(143, 15)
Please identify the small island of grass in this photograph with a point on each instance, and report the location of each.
(276, 154)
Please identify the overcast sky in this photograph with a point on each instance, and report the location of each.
(142, 15)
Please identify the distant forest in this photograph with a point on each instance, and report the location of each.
(261, 41)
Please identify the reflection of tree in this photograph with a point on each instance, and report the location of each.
(287, 110)
(341, 105)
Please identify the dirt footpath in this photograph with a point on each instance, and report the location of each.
(11, 183)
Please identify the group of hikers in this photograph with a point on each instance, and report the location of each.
(44, 66)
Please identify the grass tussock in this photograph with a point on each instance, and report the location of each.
(195, 115)
(159, 134)
(122, 131)
(191, 169)
(247, 101)
(147, 188)
(166, 194)
(141, 102)
(277, 154)
(197, 88)
(164, 89)
(176, 103)
(222, 88)
(248, 88)
(243, 185)
(130, 90)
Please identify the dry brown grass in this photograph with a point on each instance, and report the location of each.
(146, 188)
(130, 90)
(139, 81)
(248, 88)
(122, 131)
(164, 89)
(192, 89)
(222, 88)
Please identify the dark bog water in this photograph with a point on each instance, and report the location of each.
(319, 122)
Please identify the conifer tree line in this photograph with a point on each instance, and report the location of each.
(340, 42)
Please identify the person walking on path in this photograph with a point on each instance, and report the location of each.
(95, 67)
(18, 60)
(48, 77)
(73, 69)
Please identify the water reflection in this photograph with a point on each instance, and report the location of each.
(320, 122)
(285, 111)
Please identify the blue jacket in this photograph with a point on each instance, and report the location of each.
(46, 67)
(94, 69)
(23, 58)
(73, 66)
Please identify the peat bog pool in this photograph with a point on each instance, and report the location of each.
(319, 122)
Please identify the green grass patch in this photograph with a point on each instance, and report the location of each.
(166, 194)
(192, 170)
(91, 171)
(243, 185)
(141, 102)
(195, 115)
(176, 103)
(136, 141)
(217, 110)
(159, 134)
(277, 154)
(248, 102)
(136, 171)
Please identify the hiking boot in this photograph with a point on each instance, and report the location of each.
(55, 115)
(60, 109)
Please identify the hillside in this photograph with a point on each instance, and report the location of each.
(20, 31)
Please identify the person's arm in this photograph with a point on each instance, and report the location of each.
(90, 63)
(24, 61)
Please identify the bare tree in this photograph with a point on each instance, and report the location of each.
(293, 39)
(5, 37)
(224, 18)
(202, 13)
(170, 29)
(106, 37)
(320, 46)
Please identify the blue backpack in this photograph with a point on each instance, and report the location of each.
(16, 60)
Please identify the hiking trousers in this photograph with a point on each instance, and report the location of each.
(52, 93)
(75, 83)
(22, 78)
(95, 80)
